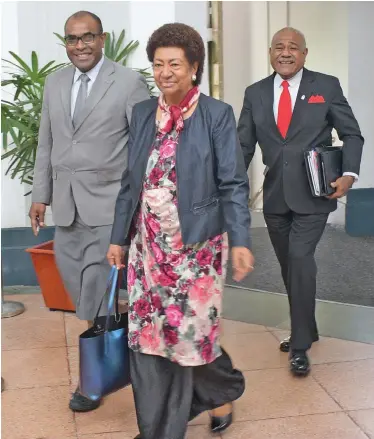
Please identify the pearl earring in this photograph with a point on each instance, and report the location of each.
(194, 77)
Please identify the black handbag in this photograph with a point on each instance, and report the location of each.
(104, 364)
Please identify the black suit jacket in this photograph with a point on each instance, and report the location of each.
(286, 184)
(212, 182)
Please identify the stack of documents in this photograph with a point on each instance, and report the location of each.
(324, 166)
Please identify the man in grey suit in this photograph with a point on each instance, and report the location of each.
(81, 155)
(287, 113)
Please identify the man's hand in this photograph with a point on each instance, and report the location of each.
(116, 256)
(242, 262)
(36, 214)
(342, 185)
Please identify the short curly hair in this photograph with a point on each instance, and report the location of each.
(182, 36)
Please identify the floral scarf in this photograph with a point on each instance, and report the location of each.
(172, 116)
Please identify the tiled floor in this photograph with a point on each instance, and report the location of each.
(39, 365)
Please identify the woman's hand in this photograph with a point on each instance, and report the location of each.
(116, 256)
(242, 262)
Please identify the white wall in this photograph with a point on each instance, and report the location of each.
(28, 26)
(144, 18)
(196, 14)
(360, 83)
(324, 25)
(236, 52)
(12, 199)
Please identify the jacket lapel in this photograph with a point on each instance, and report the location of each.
(66, 84)
(298, 114)
(267, 98)
(146, 130)
(103, 81)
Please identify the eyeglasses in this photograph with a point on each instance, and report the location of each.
(88, 38)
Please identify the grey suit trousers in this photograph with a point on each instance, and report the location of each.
(80, 253)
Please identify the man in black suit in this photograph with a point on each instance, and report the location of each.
(280, 115)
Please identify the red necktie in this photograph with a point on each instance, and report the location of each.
(284, 110)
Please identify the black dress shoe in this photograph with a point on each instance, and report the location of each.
(218, 424)
(79, 403)
(299, 363)
(285, 344)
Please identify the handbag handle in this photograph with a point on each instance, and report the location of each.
(112, 289)
(113, 298)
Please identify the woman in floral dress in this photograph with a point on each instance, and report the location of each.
(178, 250)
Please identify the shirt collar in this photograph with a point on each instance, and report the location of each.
(92, 74)
(294, 81)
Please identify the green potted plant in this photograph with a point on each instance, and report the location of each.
(20, 119)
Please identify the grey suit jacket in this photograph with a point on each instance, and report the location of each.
(81, 168)
(286, 183)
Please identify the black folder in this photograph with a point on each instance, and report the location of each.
(324, 166)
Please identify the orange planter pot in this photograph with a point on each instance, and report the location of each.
(54, 294)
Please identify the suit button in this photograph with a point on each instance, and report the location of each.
(73, 172)
(74, 142)
(285, 163)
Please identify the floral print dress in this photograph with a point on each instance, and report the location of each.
(175, 290)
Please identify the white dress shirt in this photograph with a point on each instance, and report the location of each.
(294, 84)
(92, 74)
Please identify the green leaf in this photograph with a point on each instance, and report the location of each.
(130, 47)
(5, 136)
(20, 126)
(6, 82)
(107, 46)
(22, 63)
(46, 67)
(119, 42)
(14, 64)
(112, 45)
(7, 104)
(55, 68)
(60, 37)
(11, 164)
(34, 63)
(8, 154)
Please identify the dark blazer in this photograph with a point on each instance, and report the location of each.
(286, 183)
(212, 183)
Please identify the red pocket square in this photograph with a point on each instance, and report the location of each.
(316, 99)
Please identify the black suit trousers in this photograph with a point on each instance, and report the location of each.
(294, 238)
